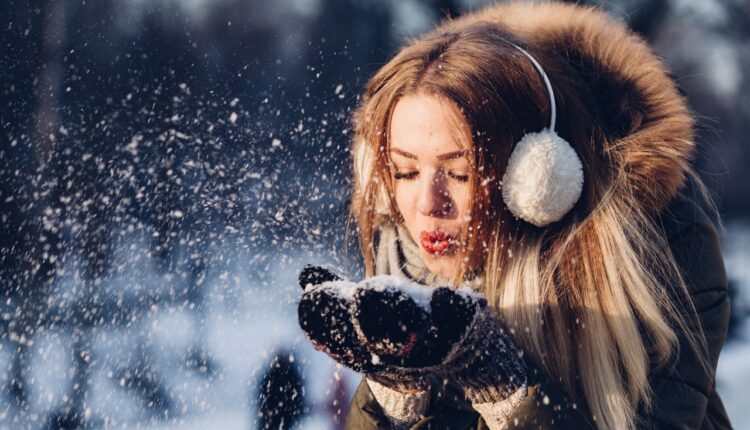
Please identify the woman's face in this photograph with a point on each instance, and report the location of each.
(430, 146)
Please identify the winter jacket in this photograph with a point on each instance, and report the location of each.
(684, 392)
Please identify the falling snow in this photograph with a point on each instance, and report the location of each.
(167, 168)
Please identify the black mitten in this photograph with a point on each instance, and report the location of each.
(484, 361)
(325, 315)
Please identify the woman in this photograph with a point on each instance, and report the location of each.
(537, 154)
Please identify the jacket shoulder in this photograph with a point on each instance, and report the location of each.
(694, 242)
(684, 391)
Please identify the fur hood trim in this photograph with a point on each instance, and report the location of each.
(650, 128)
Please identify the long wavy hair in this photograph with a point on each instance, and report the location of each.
(585, 297)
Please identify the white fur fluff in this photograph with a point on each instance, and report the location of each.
(544, 178)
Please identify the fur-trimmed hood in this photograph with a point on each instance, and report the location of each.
(649, 125)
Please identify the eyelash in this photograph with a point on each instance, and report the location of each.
(408, 176)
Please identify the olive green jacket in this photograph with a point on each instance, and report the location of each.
(684, 392)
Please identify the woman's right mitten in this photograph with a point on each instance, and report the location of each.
(326, 312)
(323, 315)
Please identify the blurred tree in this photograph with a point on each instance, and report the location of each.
(740, 311)
(71, 413)
(143, 379)
(338, 401)
(281, 394)
(448, 8)
(29, 240)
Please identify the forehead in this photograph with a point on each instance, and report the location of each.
(427, 125)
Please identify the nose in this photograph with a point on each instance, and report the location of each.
(434, 198)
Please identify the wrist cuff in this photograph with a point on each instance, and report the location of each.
(402, 409)
(497, 414)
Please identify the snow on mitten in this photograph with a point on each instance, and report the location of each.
(316, 275)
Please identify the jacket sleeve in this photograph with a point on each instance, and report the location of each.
(684, 394)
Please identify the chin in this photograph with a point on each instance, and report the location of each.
(441, 265)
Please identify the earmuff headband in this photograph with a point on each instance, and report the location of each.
(553, 106)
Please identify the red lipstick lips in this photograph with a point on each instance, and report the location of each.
(436, 242)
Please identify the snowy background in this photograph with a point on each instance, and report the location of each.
(168, 166)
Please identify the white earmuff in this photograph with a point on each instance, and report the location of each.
(544, 176)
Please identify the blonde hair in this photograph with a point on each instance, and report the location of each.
(586, 298)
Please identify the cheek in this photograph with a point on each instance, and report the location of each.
(462, 201)
(406, 203)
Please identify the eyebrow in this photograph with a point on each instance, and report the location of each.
(452, 155)
(404, 153)
(442, 157)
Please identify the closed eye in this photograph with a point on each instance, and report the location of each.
(459, 177)
(412, 175)
(405, 175)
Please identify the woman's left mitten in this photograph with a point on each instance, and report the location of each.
(484, 361)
